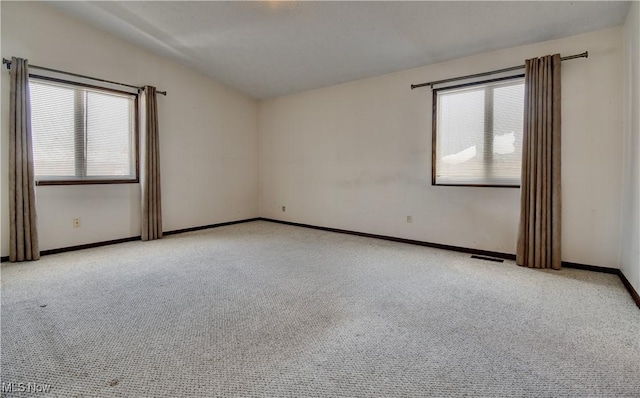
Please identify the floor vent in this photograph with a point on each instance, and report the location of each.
(497, 260)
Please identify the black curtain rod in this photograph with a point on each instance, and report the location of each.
(493, 72)
(8, 63)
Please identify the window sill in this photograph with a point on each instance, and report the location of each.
(85, 182)
(476, 185)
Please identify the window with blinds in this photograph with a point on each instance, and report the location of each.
(477, 134)
(82, 134)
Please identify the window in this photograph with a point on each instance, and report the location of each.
(82, 134)
(477, 133)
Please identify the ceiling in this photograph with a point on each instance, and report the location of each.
(272, 48)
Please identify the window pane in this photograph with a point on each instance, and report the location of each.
(109, 135)
(461, 139)
(52, 124)
(82, 133)
(508, 119)
(479, 134)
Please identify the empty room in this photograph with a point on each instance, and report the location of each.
(320, 199)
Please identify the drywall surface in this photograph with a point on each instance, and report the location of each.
(630, 237)
(357, 156)
(208, 135)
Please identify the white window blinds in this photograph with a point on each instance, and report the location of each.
(478, 134)
(82, 134)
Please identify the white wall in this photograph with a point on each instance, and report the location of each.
(208, 135)
(630, 249)
(357, 156)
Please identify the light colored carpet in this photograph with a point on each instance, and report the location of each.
(263, 309)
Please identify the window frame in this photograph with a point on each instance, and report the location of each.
(136, 136)
(434, 131)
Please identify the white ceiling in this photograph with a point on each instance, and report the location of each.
(272, 48)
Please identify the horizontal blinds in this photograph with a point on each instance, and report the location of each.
(81, 133)
(53, 124)
(479, 134)
(109, 135)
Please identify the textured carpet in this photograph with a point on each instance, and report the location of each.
(263, 309)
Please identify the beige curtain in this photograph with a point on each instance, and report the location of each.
(540, 201)
(23, 235)
(150, 178)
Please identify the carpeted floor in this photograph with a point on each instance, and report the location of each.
(263, 309)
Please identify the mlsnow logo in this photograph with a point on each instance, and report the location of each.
(25, 387)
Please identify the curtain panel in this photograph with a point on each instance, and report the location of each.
(539, 243)
(150, 177)
(23, 233)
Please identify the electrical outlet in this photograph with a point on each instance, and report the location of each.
(76, 223)
(409, 219)
(284, 208)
